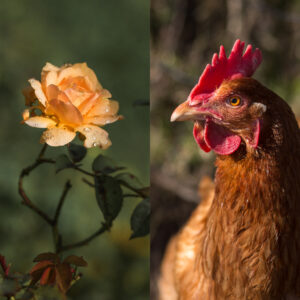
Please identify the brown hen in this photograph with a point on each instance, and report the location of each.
(243, 240)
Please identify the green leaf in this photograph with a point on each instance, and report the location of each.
(20, 277)
(75, 260)
(25, 295)
(8, 287)
(47, 293)
(62, 162)
(129, 180)
(109, 196)
(104, 165)
(140, 219)
(76, 152)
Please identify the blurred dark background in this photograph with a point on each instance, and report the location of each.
(184, 36)
(113, 38)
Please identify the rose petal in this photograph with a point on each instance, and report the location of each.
(78, 83)
(104, 107)
(57, 136)
(50, 78)
(36, 85)
(49, 75)
(39, 122)
(85, 106)
(66, 112)
(77, 97)
(50, 67)
(102, 120)
(94, 136)
(81, 69)
(105, 93)
(53, 92)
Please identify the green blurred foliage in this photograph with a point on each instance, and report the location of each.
(113, 38)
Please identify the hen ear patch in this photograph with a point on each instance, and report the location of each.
(259, 108)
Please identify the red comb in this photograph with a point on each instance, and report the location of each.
(235, 66)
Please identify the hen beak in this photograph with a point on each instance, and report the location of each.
(184, 112)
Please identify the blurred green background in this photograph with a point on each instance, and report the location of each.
(113, 38)
(184, 36)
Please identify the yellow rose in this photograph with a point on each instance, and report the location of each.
(70, 100)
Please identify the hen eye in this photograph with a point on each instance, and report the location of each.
(235, 101)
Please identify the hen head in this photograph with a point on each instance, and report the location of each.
(226, 104)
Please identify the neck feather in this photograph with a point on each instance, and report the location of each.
(253, 226)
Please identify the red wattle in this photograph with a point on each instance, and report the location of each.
(199, 137)
(220, 139)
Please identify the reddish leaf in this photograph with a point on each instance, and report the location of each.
(63, 276)
(41, 266)
(52, 277)
(35, 277)
(4, 266)
(47, 256)
(45, 276)
(37, 271)
(76, 260)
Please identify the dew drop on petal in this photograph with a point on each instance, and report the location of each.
(86, 129)
(107, 122)
(95, 144)
(106, 109)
